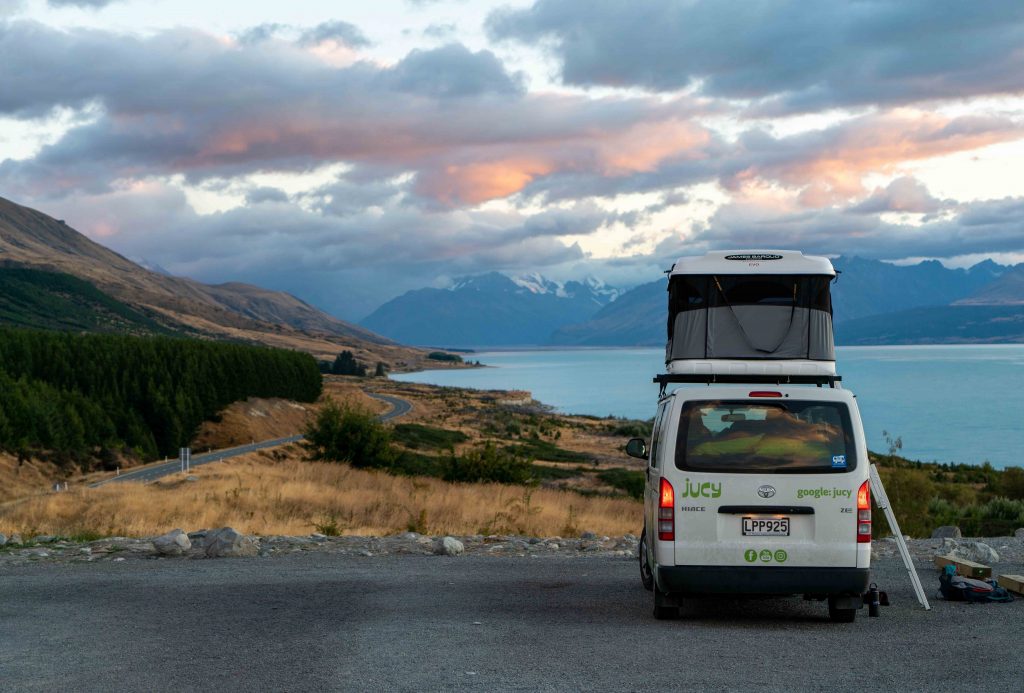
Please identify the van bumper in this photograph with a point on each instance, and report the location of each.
(705, 579)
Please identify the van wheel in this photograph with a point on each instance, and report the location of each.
(646, 576)
(840, 615)
(662, 610)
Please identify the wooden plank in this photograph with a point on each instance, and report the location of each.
(1014, 583)
(964, 567)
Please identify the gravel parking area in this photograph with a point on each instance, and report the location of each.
(332, 618)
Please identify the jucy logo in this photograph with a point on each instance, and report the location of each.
(706, 489)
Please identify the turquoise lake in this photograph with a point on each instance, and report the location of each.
(948, 403)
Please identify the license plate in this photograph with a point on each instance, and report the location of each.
(766, 526)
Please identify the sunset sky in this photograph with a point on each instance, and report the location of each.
(349, 151)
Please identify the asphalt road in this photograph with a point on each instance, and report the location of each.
(152, 472)
(399, 406)
(315, 621)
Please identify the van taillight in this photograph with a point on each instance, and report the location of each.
(764, 393)
(864, 513)
(666, 511)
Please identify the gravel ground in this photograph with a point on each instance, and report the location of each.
(320, 614)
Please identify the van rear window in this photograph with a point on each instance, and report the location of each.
(787, 437)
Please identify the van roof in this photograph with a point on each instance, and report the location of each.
(754, 262)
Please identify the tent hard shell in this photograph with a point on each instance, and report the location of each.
(751, 312)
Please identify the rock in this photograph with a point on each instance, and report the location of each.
(589, 536)
(976, 551)
(14, 539)
(228, 543)
(174, 543)
(118, 559)
(410, 536)
(1019, 533)
(629, 537)
(449, 546)
(947, 532)
(424, 541)
(191, 477)
(3, 539)
(198, 534)
(43, 539)
(85, 551)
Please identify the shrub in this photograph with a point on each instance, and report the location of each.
(444, 356)
(488, 464)
(629, 480)
(418, 435)
(347, 433)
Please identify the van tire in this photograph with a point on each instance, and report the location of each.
(840, 615)
(663, 610)
(646, 576)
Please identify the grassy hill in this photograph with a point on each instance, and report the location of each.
(56, 301)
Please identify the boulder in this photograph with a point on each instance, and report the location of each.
(589, 536)
(174, 543)
(947, 532)
(43, 538)
(970, 550)
(228, 543)
(449, 546)
(3, 539)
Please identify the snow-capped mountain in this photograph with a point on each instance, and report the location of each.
(491, 309)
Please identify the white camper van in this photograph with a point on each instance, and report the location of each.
(757, 470)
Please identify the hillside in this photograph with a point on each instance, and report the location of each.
(31, 239)
(937, 325)
(1008, 289)
(489, 310)
(55, 301)
(636, 318)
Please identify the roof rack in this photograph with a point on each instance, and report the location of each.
(664, 379)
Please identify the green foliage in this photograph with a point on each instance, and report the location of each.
(32, 298)
(996, 517)
(1010, 483)
(329, 526)
(419, 436)
(488, 463)
(631, 428)
(444, 356)
(76, 395)
(345, 364)
(347, 433)
(381, 370)
(544, 450)
(629, 480)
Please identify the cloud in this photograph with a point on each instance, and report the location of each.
(786, 55)
(768, 221)
(184, 102)
(905, 194)
(90, 4)
(341, 32)
(453, 70)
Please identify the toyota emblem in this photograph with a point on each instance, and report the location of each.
(766, 491)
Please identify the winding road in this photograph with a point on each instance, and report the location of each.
(152, 472)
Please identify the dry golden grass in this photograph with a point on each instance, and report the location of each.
(257, 494)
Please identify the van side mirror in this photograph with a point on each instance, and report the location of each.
(636, 447)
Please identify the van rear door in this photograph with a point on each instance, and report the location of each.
(771, 481)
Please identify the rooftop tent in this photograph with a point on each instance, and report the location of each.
(755, 306)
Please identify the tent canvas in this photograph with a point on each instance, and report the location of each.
(740, 305)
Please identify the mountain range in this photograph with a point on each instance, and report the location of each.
(53, 276)
(490, 310)
(874, 303)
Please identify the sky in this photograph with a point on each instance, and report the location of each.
(348, 151)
